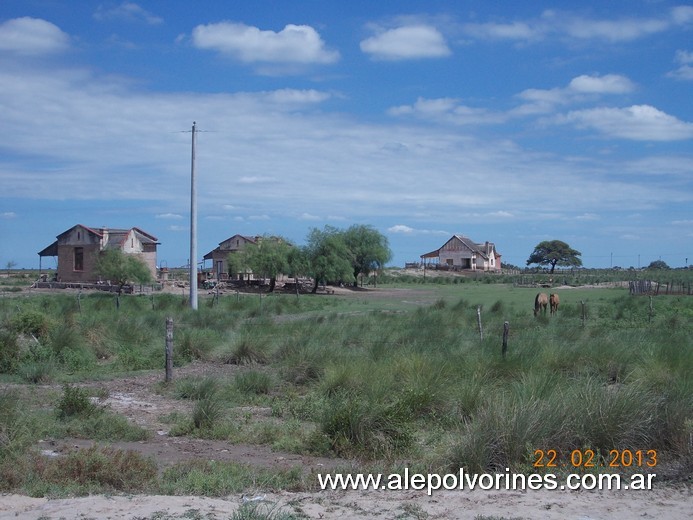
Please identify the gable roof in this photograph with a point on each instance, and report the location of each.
(483, 250)
(116, 237)
(220, 248)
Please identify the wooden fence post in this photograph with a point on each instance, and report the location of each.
(478, 319)
(651, 313)
(169, 350)
(584, 312)
(506, 331)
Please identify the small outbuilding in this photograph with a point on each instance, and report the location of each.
(461, 253)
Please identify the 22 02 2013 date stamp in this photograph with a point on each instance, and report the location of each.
(588, 458)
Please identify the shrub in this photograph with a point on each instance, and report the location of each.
(206, 413)
(100, 468)
(31, 322)
(370, 429)
(195, 388)
(75, 401)
(9, 351)
(253, 382)
(248, 349)
(37, 372)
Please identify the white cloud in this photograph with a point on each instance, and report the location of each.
(504, 31)
(406, 230)
(565, 25)
(295, 44)
(128, 11)
(638, 122)
(254, 179)
(580, 88)
(685, 71)
(32, 36)
(8, 215)
(405, 43)
(308, 216)
(448, 110)
(169, 216)
(607, 84)
(259, 217)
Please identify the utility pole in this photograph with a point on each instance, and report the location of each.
(193, 228)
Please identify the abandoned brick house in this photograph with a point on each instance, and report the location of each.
(219, 255)
(78, 248)
(461, 253)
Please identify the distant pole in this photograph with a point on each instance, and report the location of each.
(193, 227)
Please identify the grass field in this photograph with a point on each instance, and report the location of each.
(381, 378)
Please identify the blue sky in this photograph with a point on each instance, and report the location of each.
(512, 122)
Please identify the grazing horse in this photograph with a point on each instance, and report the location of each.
(541, 300)
(554, 300)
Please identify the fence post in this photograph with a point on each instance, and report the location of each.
(478, 319)
(584, 313)
(651, 312)
(169, 350)
(506, 331)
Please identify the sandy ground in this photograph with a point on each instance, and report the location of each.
(662, 504)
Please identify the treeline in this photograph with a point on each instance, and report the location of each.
(330, 255)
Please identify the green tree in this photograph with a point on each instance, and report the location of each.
(369, 249)
(328, 256)
(237, 263)
(120, 269)
(269, 258)
(658, 264)
(553, 253)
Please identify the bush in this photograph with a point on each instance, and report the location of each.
(31, 322)
(370, 429)
(75, 401)
(9, 351)
(253, 382)
(206, 413)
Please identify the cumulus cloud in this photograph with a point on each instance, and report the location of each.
(448, 110)
(637, 122)
(128, 11)
(169, 216)
(608, 84)
(406, 43)
(32, 36)
(580, 88)
(295, 44)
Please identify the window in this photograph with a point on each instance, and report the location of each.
(79, 259)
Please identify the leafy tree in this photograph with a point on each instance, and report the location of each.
(269, 257)
(369, 249)
(328, 256)
(658, 264)
(237, 263)
(120, 269)
(553, 253)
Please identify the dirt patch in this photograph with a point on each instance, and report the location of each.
(668, 503)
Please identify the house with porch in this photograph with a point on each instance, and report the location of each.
(462, 253)
(78, 248)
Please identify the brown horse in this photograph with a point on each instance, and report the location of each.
(541, 300)
(554, 300)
